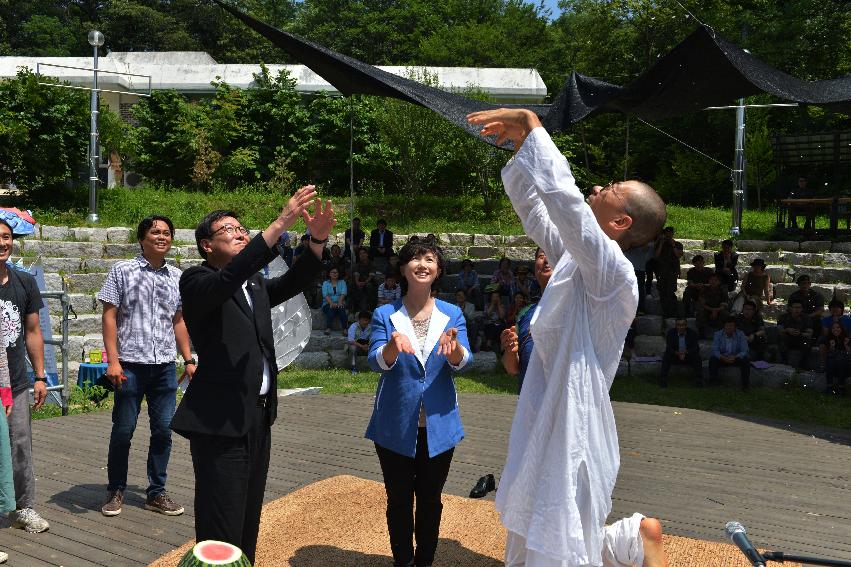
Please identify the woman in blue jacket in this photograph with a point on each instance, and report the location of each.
(417, 344)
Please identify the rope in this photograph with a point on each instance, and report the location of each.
(727, 167)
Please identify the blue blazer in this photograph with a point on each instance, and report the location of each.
(412, 382)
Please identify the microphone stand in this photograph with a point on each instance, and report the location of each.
(780, 557)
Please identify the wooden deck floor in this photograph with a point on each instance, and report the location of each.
(694, 470)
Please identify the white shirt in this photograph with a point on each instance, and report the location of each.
(563, 454)
(267, 371)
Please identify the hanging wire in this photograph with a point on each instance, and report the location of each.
(727, 167)
(690, 14)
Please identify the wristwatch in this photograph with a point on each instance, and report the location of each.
(40, 379)
(191, 361)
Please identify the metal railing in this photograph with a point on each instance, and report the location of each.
(64, 386)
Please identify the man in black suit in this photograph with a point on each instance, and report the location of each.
(381, 244)
(231, 403)
(681, 347)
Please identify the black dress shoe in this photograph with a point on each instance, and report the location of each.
(485, 485)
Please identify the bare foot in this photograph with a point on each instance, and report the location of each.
(651, 536)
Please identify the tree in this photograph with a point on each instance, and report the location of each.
(47, 36)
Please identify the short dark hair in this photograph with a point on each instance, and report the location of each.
(730, 319)
(204, 231)
(364, 315)
(467, 262)
(146, 223)
(835, 303)
(803, 278)
(795, 302)
(11, 230)
(727, 242)
(381, 221)
(696, 258)
(668, 229)
(417, 246)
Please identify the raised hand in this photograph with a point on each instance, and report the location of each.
(322, 221)
(506, 124)
(508, 339)
(295, 206)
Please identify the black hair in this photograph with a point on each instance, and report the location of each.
(364, 315)
(730, 319)
(204, 231)
(796, 302)
(802, 278)
(146, 223)
(11, 230)
(466, 261)
(417, 246)
(727, 242)
(696, 258)
(835, 303)
(381, 221)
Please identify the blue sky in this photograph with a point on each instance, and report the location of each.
(552, 5)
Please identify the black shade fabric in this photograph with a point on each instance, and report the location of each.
(704, 70)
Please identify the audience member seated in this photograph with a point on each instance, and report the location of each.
(811, 301)
(837, 344)
(836, 315)
(364, 290)
(469, 311)
(712, 307)
(725, 266)
(698, 280)
(389, 291)
(334, 259)
(752, 325)
(681, 347)
(494, 321)
(503, 277)
(353, 245)
(334, 305)
(468, 282)
(668, 253)
(285, 249)
(796, 330)
(756, 285)
(358, 337)
(517, 307)
(381, 244)
(522, 282)
(303, 246)
(730, 348)
(393, 265)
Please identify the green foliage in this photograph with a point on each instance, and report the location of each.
(43, 133)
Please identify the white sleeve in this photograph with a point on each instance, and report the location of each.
(539, 165)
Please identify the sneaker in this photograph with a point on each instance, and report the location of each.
(163, 504)
(114, 499)
(28, 520)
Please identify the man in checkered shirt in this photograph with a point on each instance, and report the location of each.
(142, 321)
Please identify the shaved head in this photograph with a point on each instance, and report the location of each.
(648, 213)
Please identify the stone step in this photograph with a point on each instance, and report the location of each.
(88, 250)
(777, 376)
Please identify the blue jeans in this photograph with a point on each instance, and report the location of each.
(158, 383)
(332, 313)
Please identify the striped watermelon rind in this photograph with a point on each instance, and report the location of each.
(211, 553)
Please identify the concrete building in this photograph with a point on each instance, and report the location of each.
(193, 72)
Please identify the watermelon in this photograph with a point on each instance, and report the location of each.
(209, 553)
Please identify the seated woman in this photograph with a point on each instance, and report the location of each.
(756, 285)
(504, 278)
(712, 307)
(468, 282)
(334, 301)
(517, 308)
(838, 366)
(493, 321)
(417, 344)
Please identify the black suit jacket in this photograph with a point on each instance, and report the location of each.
(672, 343)
(388, 241)
(232, 340)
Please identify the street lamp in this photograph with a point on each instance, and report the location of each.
(95, 40)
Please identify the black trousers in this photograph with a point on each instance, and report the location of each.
(744, 369)
(692, 359)
(230, 479)
(403, 478)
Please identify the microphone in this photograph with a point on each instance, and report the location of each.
(736, 532)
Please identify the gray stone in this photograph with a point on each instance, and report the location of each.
(320, 342)
(317, 320)
(189, 251)
(455, 252)
(520, 240)
(99, 264)
(480, 252)
(788, 245)
(52, 282)
(777, 376)
(770, 257)
(844, 247)
(112, 250)
(483, 361)
(837, 275)
(842, 292)
(755, 245)
(689, 254)
(773, 311)
(119, 234)
(784, 290)
(82, 303)
(837, 258)
(781, 274)
(85, 282)
(84, 324)
(340, 358)
(90, 234)
(63, 265)
(184, 263)
(491, 240)
(801, 259)
(455, 239)
(310, 391)
(812, 380)
(55, 232)
(712, 244)
(519, 253)
(815, 246)
(313, 360)
(647, 345)
(79, 345)
(689, 244)
(184, 235)
(648, 325)
(62, 249)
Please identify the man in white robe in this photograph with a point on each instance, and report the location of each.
(563, 458)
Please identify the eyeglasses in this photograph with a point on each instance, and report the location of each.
(231, 230)
(610, 186)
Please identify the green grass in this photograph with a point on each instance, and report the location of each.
(423, 214)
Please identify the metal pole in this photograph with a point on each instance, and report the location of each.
(94, 158)
(739, 170)
(352, 185)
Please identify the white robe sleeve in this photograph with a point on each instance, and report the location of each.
(539, 165)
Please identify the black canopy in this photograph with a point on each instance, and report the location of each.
(704, 70)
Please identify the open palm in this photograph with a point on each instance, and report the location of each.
(322, 220)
